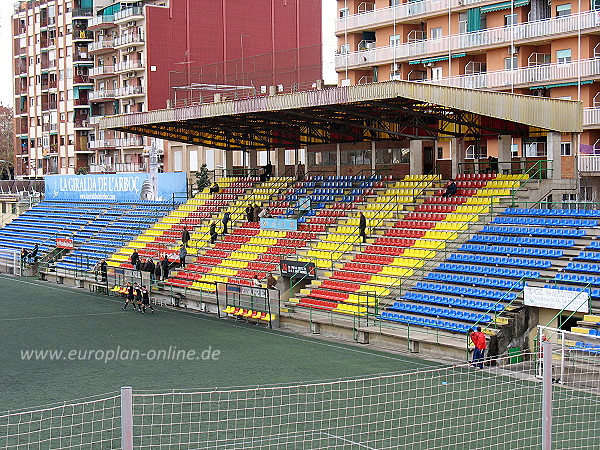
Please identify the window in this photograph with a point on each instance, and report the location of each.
(440, 153)
(595, 4)
(436, 33)
(395, 75)
(436, 73)
(395, 40)
(394, 2)
(510, 19)
(563, 10)
(565, 149)
(462, 22)
(563, 56)
(177, 161)
(344, 12)
(511, 63)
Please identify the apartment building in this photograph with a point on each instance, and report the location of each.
(76, 61)
(532, 47)
(51, 85)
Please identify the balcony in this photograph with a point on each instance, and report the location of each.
(104, 45)
(81, 124)
(134, 13)
(81, 101)
(101, 22)
(102, 95)
(529, 32)
(83, 58)
(133, 141)
(50, 127)
(102, 144)
(82, 13)
(21, 109)
(95, 120)
(591, 118)
(548, 75)
(118, 167)
(589, 163)
(102, 72)
(130, 65)
(370, 19)
(83, 35)
(82, 79)
(131, 91)
(129, 39)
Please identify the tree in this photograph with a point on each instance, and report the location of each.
(202, 178)
(7, 143)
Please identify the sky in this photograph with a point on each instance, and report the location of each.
(6, 78)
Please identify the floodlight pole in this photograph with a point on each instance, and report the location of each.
(546, 395)
(126, 418)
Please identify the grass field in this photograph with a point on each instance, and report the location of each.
(45, 316)
(184, 404)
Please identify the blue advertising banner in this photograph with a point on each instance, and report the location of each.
(115, 187)
(279, 224)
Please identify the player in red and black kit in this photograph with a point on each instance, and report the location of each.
(129, 297)
(146, 300)
(478, 339)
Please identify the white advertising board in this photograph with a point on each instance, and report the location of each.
(557, 299)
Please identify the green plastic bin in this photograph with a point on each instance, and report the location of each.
(515, 354)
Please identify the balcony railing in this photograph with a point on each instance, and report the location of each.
(82, 12)
(129, 65)
(82, 79)
(102, 70)
(102, 143)
(532, 75)
(134, 141)
(103, 94)
(386, 16)
(98, 21)
(101, 45)
(129, 91)
(589, 163)
(50, 127)
(128, 13)
(129, 39)
(81, 101)
(493, 37)
(81, 123)
(118, 167)
(591, 117)
(85, 35)
(82, 57)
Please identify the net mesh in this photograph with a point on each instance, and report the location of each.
(89, 423)
(498, 407)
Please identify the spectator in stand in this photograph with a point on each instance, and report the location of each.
(493, 165)
(478, 340)
(165, 267)
(157, 270)
(256, 281)
(226, 219)
(300, 172)
(149, 267)
(24, 256)
(450, 189)
(250, 212)
(185, 236)
(362, 227)
(268, 171)
(256, 213)
(214, 189)
(212, 231)
(182, 255)
(33, 254)
(271, 281)
(135, 260)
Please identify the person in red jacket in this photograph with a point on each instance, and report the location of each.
(478, 339)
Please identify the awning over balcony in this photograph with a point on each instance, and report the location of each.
(438, 58)
(389, 110)
(574, 83)
(503, 5)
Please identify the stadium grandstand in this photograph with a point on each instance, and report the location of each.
(395, 259)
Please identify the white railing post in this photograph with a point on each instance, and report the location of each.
(546, 395)
(126, 418)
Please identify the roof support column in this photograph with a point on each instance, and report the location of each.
(252, 158)
(457, 154)
(504, 153)
(416, 157)
(228, 162)
(372, 157)
(338, 159)
(279, 162)
(553, 140)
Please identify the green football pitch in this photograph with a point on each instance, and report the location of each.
(84, 330)
(184, 398)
